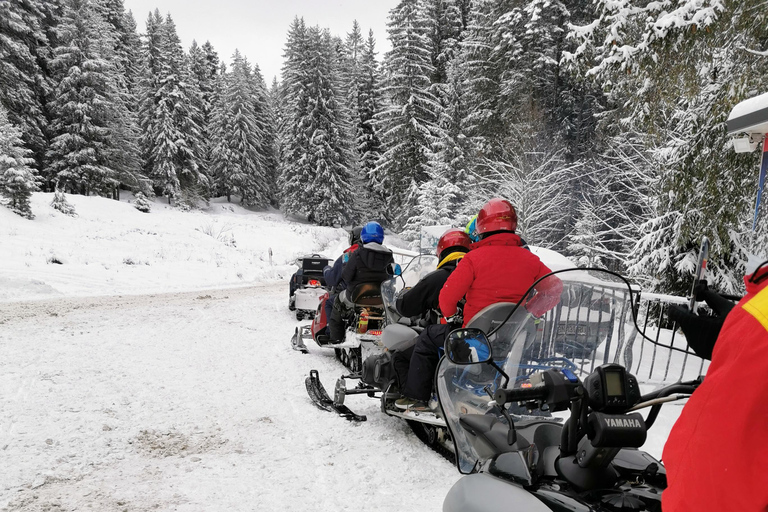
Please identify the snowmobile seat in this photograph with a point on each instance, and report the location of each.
(489, 435)
(367, 294)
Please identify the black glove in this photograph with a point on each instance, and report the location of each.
(701, 332)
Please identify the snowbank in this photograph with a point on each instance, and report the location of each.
(112, 248)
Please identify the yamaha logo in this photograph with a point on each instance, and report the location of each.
(623, 422)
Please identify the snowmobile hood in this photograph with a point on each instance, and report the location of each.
(499, 239)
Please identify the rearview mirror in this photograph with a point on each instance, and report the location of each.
(468, 346)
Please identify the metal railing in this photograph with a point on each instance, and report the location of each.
(594, 326)
(667, 358)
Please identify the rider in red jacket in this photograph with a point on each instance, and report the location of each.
(715, 455)
(503, 272)
(498, 268)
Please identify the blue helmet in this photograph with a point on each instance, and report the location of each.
(372, 232)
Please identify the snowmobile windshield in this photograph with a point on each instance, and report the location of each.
(413, 272)
(575, 319)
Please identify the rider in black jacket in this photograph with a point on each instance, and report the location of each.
(422, 299)
(371, 263)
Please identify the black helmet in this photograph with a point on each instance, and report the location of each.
(354, 235)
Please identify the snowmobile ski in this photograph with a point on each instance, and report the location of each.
(322, 399)
(297, 343)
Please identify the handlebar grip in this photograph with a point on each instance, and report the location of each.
(505, 396)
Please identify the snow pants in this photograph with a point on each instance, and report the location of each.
(426, 355)
(336, 319)
(329, 306)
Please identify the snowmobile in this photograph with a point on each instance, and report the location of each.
(491, 381)
(370, 351)
(365, 322)
(307, 285)
(378, 378)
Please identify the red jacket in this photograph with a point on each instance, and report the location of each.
(717, 451)
(497, 269)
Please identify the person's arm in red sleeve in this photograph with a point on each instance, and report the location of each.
(547, 295)
(456, 287)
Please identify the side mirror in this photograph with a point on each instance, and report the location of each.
(468, 346)
(398, 269)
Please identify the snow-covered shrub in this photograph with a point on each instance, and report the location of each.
(141, 203)
(60, 203)
(221, 233)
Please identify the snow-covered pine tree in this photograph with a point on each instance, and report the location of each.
(615, 201)
(23, 82)
(141, 203)
(264, 118)
(202, 78)
(279, 112)
(238, 166)
(434, 202)
(371, 103)
(451, 150)
(17, 181)
(361, 76)
(408, 124)
(446, 25)
(172, 141)
(87, 110)
(674, 75)
(293, 139)
(61, 204)
(125, 59)
(315, 171)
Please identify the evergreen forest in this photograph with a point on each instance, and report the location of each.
(602, 121)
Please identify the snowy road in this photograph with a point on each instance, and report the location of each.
(189, 402)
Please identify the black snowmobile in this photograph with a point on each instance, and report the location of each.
(590, 461)
(371, 351)
(378, 378)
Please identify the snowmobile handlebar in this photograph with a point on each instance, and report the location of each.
(679, 387)
(504, 396)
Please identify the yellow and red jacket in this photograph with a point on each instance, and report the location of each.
(717, 452)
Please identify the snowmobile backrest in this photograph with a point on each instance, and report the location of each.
(367, 294)
(313, 265)
(491, 316)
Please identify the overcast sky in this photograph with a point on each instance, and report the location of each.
(258, 28)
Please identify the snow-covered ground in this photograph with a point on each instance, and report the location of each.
(152, 370)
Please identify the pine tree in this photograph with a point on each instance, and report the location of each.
(409, 122)
(434, 206)
(61, 204)
(315, 171)
(238, 164)
(141, 203)
(23, 82)
(362, 85)
(17, 181)
(370, 105)
(87, 110)
(202, 64)
(125, 59)
(170, 117)
(674, 75)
